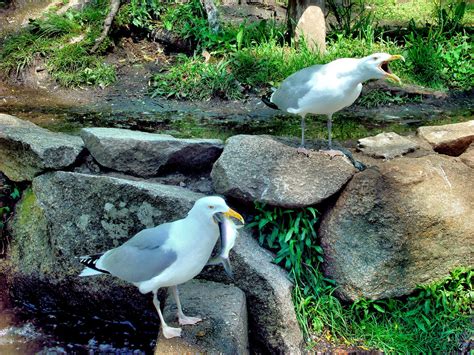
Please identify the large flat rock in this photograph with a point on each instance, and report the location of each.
(148, 154)
(66, 215)
(406, 222)
(272, 319)
(450, 139)
(27, 150)
(262, 168)
(223, 329)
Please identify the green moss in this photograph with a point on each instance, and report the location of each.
(30, 249)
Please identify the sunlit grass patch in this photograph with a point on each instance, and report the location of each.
(49, 40)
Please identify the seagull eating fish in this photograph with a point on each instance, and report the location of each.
(326, 89)
(166, 255)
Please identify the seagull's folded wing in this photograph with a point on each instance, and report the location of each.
(143, 257)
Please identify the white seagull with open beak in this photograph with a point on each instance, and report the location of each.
(326, 89)
(166, 256)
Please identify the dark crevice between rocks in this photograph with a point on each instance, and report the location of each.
(10, 194)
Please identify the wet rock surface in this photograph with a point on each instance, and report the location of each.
(147, 154)
(272, 319)
(399, 224)
(386, 145)
(451, 139)
(27, 150)
(223, 328)
(261, 168)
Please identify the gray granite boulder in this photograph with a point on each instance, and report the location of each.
(66, 215)
(272, 319)
(27, 150)
(262, 168)
(405, 222)
(148, 154)
(386, 145)
(450, 139)
(223, 329)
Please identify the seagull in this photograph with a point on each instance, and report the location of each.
(166, 255)
(326, 89)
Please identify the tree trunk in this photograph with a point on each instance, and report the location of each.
(114, 7)
(306, 21)
(212, 14)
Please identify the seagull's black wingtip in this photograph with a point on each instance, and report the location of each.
(266, 101)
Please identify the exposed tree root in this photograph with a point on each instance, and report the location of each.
(114, 7)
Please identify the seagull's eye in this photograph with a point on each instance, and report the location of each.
(375, 58)
(211, 207)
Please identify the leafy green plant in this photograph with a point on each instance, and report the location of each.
(291, 233)
(194, 79)
(353, 19)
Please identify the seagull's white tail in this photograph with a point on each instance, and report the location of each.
(89, 272)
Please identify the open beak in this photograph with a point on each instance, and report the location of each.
(388, 72)
(234, 214)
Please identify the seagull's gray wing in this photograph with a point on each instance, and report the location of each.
(294, 87)
(142, 257)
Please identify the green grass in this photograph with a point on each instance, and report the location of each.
(434, 319)
(50, 39)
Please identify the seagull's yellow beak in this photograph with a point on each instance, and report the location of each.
(234, 214)
(389, 74)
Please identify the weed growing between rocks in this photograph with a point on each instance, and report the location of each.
(9, 195)
(435, 318)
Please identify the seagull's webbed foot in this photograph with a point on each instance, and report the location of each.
(170, 332)
(303, 150)
(185, 320)
(332, 153)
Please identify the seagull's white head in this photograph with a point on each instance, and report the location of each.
(207, 208)
(376, 66)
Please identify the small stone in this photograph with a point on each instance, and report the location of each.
(451, 139)
(386, 145)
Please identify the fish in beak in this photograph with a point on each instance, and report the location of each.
(228, 234)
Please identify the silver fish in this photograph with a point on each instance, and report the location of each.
(228, 234)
